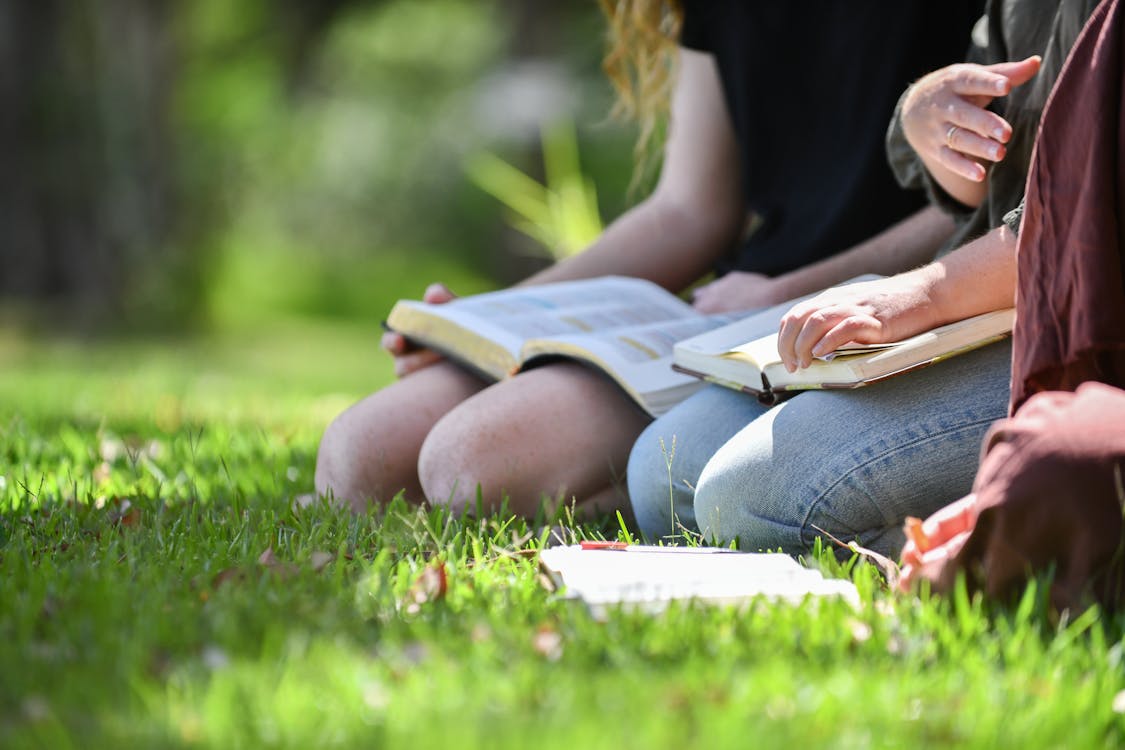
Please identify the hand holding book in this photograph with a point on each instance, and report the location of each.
(409, 357)
(745, 355)
(870, 312)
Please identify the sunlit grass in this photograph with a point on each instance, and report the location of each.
(142, 483)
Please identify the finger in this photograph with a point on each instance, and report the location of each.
(910, 554)
(859, 328)
(701, 296)
(437, 294)
(961, 165)
(708, 304)
(791, 326)
(906, 577)
(1017, 72)
(953, 519)
(702, 289)
(980, 121)
(978, 80)
(816, 326)
(395, 343)
(935, 560)
(414, 361)
(917, 568)
(965, 141)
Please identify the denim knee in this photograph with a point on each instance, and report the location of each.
(669, 455)
(761, 495)
(742, 505)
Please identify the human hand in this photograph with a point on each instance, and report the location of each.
(408, 357)
(945, 120)
(869, 312)
(737, 290)
(936, 540)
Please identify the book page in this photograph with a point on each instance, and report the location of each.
(748, 327)
(572, 307)
(653, 576)
(639, 358)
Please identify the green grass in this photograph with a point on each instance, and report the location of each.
(156, 624)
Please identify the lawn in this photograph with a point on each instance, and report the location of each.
(158, 587)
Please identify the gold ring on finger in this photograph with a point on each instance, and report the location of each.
(949, 135)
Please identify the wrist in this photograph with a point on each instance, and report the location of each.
(784, 288)
(929, 308)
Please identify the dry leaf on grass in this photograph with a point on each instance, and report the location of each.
(431, 585)
(274, 564)
(301, 502)
(890, 568)
(480, 633)
(861, 631)
(124, 513)
(318, 561)
(214, 658)
(36, 708)
(271, 562)
(102, 473)
(548, 642)
(228, 575)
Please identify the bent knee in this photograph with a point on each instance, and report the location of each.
(452, 468)
(339, 474)
(787, 512)
(729, 507)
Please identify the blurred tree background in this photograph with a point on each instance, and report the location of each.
(177, 165)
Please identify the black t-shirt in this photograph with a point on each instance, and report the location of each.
(810, 87)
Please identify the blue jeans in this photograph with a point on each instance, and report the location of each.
(853, 463)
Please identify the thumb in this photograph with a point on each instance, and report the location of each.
(703, 289)
(1018, 72)
(435, 294)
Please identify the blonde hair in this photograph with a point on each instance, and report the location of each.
(640, 63)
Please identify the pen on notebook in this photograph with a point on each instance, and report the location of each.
(595, 544)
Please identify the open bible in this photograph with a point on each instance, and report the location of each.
(743, 355)
(624, 327)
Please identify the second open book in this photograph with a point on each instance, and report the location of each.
(635, 332)
(743, 355)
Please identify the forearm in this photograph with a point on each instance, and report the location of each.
(901, 247)
(659, 240)
(969, 192)
(977, 278)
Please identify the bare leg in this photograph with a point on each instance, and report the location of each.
(561, 431)
(370, 452)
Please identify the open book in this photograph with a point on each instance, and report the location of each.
(649, 578)
(743, 355)
(624, 327)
